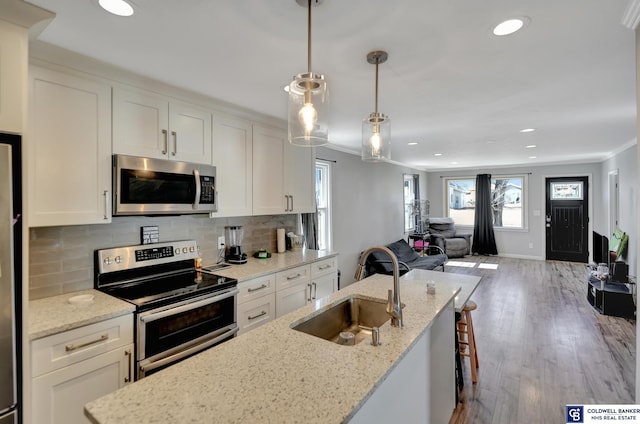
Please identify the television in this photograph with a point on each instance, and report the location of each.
(600, 249)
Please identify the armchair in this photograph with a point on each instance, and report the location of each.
(443, 234)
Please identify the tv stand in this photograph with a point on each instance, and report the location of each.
(611, 298)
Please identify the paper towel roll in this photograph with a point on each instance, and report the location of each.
(281, 242)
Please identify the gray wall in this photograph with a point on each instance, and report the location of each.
(528, 243)
(367, 206)
(626, 163)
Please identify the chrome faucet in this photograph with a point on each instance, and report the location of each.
(394, 306)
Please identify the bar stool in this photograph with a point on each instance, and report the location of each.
(466, 338)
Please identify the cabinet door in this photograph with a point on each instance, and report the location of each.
(59, 397)
(190, 133)
(254, 313)
(292, 298)
(13, 62)
(140, 123)
(69, 149)
(324, 286)
(232, 156)
(268, 170)
(299, 178)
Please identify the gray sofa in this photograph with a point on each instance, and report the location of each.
(379, 263)
(444, 235)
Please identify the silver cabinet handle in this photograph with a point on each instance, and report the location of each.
(293, 277)
(127, 379)
(261, 314)
(286, 199)
(315, 290)
(291, 196)
(325, 266)
(106, 204)
(175, 142)
(72, 347)
(251, 290)
(165, 142)
(310, 296)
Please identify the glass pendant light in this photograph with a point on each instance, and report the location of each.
(376, 128)
(308, 100)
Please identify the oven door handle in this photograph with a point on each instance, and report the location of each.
(184, 353)
(193, 305)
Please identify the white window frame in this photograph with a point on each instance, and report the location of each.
(523, 199)
(323, 204)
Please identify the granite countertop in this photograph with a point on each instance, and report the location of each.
(277, 262)
(276, 374)
(55, 314)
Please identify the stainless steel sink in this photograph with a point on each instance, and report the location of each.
(355, 314)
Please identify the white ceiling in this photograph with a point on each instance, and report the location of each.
(449, 83)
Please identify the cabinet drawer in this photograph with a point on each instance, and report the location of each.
(293, 276)
(62, 349)
(256, 312)
(325, 266)
(256, 287)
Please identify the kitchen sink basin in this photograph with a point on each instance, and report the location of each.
(355, 314)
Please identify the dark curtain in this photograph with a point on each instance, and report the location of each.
(310, 228)
(484, 241)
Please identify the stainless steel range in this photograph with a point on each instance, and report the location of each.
(180, 310)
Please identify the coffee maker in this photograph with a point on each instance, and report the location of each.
(233, 250)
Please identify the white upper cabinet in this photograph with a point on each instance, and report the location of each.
(233, 154)
(150, 125)
(268, 170)
(69, 149)
(283, 179)
(299, 178)
(13, 61)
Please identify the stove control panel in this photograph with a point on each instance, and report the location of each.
(130, 257)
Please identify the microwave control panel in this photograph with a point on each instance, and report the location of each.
(207, 193)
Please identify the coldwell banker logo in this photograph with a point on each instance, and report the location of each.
(574, 414)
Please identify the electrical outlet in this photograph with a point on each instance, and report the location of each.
(220, 242)
(530, 245)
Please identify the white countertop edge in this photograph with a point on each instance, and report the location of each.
(53, 315)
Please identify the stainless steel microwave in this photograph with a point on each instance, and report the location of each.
(145, 186)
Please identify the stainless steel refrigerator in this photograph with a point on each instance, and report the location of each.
(10, 275)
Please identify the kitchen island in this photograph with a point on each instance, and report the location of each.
(277, 374)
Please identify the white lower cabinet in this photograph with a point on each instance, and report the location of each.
(301, 285)
(256, 302)
(74, 367)
(324, 278)
(293, 289)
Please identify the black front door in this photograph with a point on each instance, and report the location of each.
(567, 219)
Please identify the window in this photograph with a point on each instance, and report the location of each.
(507, 200)
(323, 202)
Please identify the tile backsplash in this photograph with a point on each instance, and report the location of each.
(61, 258)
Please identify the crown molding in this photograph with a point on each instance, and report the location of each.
(631, 16)
(21, 13)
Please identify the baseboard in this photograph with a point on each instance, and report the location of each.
(509, 255)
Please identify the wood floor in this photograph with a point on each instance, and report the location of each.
(541, 345)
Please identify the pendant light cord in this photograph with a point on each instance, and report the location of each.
(309, 38)
(377, 62)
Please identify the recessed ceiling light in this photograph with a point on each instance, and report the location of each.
(117, 7)
(412, 143)
(531, 146)
(532, 157)
(437, 154)
(527, 130)
(509, 26)
(454, 163)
